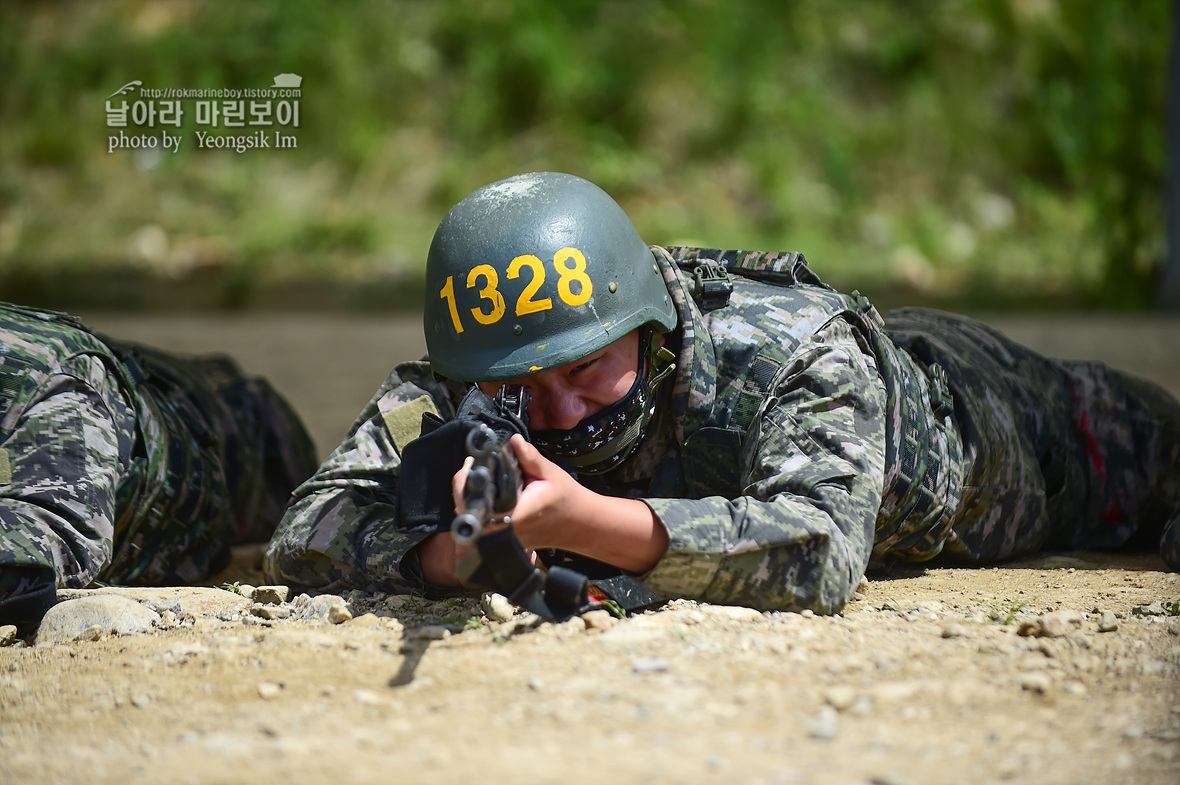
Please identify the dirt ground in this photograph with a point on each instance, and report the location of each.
(1063, 669)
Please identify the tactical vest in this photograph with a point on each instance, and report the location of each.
(923, 461)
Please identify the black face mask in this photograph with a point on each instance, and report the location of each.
(602, 441)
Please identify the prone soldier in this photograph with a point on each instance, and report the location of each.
(124, 464)
(722, 425)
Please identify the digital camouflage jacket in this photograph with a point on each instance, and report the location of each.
(123, 464)
(767, 460)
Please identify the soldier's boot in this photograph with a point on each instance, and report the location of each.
(26, 594)
(1157, 445)
(1170, 543)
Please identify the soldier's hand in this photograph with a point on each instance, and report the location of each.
(439, 554)
(556, 511)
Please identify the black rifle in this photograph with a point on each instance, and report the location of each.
(494, 482)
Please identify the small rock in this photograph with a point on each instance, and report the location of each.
(268, 690)
(953, 630)
(1057, 624)
(167, 619)
(571, 626)
(735, 613)
(824, 724)
(271, 595)
(1108, 622)
(1075, 688)
(365, 620)
(841, 697)
(1037, 681)
(326, 606)
(431, 632)
(91, 633)
(496, 606)
(272, 611)
(599, 620)
(1154, 609)
(7, 634)
(649, 665)
(114, 613)
(367, 697)
(141, 700)
(807, 613)
(246, 590)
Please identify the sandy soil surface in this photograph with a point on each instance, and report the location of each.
(1064, 669)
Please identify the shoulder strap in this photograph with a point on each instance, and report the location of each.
(711, 269)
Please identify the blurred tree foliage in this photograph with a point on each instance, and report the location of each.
(969, 148)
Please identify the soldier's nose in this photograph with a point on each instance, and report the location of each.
(563, 412)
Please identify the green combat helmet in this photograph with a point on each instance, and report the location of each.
(534, 272)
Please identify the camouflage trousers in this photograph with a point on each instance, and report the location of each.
(1057, 455)
(215, 457)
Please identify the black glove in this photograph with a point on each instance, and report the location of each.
(425, 499)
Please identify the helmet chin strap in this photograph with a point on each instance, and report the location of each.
(602, 441)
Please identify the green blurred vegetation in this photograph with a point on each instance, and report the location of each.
(966, 150)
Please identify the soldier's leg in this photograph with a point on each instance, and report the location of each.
(264, 448)
(1011, 408)
(59, 465)
(1130, 434)
(268, 453)
(1170, 543)
(26, 594)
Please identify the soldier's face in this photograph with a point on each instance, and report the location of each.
(562, 397)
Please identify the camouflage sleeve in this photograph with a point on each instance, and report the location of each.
(800, 535)
(59, 468)
(340, 529)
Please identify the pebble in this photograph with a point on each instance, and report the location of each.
(7, 634)
(330, 607)
(649, 665)
(1108, 622)
(841, 697)
(1036, 681)
(268, 690)
(141, 700)
(599, 620)
(271, 611)
(367, 697)
(365, 620)
(271, 595)
(496, 606)
(824, 724)
(91, 633)
(734, 613)
(431, 632)
(1057, 624)
(953, 630)
(114, 613)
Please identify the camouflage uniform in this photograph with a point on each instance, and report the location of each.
(797, 441)
(123, 464)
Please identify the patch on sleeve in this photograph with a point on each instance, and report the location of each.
(5, 467)
(405, 422)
